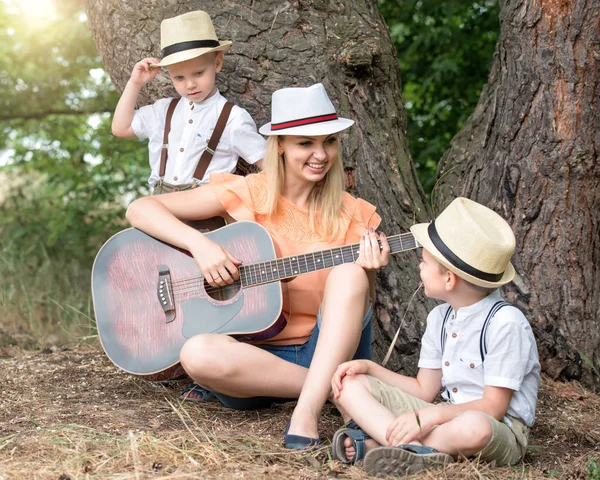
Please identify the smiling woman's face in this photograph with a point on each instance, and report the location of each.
(308, 158)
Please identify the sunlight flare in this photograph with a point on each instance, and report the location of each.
(37, 12)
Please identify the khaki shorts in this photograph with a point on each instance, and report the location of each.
(506, 447)
(162, 187)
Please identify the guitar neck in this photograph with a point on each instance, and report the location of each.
(289, 267)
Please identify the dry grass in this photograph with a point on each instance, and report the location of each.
(42, 301)
(72, 414)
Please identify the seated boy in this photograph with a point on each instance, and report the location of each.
(186, 130)
(477, 348)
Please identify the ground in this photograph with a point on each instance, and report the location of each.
(68, 414)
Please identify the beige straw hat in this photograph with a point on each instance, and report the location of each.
(472, 241)
(188, 36)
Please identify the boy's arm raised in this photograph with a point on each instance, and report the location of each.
(141, 74)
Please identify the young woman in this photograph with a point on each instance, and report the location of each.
(299, 198)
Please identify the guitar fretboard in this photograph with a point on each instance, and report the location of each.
(289, 267)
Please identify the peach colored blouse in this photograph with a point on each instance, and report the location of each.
(292, 235)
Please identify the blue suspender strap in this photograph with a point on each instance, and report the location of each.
(443, 333)
(483, 337)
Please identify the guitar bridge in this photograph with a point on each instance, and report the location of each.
(164, 292)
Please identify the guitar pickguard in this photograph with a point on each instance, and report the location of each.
(201, 316)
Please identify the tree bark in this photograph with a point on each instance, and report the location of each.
(530, 151)
(346, 46)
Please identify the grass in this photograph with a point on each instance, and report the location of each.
(67, 413)
(44, 301)
(73, 415)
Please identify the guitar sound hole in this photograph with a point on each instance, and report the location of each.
(222, 294)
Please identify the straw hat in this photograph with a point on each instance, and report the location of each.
(472, 241)
(303, 111)
(188, 36)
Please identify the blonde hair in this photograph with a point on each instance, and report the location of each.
(326, 198)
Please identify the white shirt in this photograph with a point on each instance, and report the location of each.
(191, 128)
(511, 360)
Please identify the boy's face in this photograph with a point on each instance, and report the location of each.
(434, 281)
(195, 79)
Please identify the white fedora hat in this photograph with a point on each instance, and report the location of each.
(303, 111)
(472, 241)
(188, 36)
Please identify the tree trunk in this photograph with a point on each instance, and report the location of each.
(530, 151)
(346, 46)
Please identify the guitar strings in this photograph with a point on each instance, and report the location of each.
(261, 265)
(192, 284)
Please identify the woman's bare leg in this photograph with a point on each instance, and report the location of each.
(344, 305)
(238, 369)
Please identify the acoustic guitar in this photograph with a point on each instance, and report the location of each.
(149, 297)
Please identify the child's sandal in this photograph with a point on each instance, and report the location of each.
(404, 460)
(358, 437)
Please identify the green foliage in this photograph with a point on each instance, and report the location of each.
(444, 53)
(65, 176)
(593, 468)
(64, 179)
(522, 470)
(63, 196)
(45, 68)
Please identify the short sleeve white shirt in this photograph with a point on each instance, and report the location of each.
(511, 360)
(191, 128)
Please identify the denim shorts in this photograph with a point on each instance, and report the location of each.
(300, 355)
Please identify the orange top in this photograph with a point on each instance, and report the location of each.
(292, 235)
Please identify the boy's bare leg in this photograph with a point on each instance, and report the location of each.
(344, 305)
(357, 402)
(467, 434)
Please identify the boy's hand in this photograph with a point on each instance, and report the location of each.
(371, 256)
(411, 426)
(142, 73)
(355, 367)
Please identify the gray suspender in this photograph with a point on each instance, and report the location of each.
(443, 333)
(483, 336)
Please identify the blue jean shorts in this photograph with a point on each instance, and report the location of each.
(300, 355)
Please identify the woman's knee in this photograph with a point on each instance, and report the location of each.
(348, 279)
(203, 356)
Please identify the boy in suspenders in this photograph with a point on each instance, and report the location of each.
(477, 348)
(198, 133)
